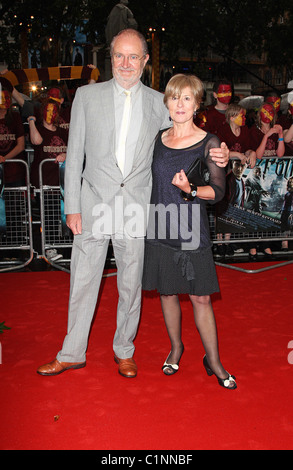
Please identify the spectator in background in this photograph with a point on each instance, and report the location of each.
(34, 107)
(49, 142)
(267, 140)
(12, 145)
(266, 136)
(237, 137)
(57, 95)
(288, 131)
(12, 141)
(272, 97)
(215, 114)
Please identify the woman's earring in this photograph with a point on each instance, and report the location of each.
(170, 119)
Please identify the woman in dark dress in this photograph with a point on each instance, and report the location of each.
(178, 255)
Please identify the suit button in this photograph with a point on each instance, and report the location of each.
(122, 184)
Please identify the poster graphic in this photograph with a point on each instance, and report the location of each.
(258, 199)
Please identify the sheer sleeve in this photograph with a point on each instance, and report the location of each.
(217, 174)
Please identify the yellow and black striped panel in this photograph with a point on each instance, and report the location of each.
(18, 76)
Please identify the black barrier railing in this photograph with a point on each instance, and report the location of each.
(16, 239)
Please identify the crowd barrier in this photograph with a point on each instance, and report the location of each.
(16, 240)
(245, 225)
(55, 235)
(239, 240)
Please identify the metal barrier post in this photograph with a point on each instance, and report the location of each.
(52, 236)
(17, 236)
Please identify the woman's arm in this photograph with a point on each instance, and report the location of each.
(35, 136)
(288, 134)
(20, 145)
(203, 192)
(281, 144)
(277, 129)
(217, 180)
(261, 148)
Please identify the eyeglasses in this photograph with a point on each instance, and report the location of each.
(133, 58)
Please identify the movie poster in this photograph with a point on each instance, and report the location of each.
(2, 202)
(258, 199)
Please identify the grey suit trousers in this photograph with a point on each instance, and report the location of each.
(87, 265)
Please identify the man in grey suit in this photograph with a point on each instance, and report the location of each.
(111, 203)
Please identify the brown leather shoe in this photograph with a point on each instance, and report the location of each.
(55, 367)
(126, 367)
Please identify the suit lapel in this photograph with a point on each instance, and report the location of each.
(108, 112)
(147, 106)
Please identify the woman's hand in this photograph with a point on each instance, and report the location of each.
(180, 180)
(60, 158)
(279, 129)
(276, 129)
(251, 158)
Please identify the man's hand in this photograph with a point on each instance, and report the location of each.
(220, 155)
(73, 221)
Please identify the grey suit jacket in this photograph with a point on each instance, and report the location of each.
(105, 196)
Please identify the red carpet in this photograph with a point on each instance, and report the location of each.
(96, 408)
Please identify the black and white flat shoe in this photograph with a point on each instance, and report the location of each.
(171, 369)
(229, 382)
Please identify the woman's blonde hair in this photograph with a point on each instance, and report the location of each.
(180, 81)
